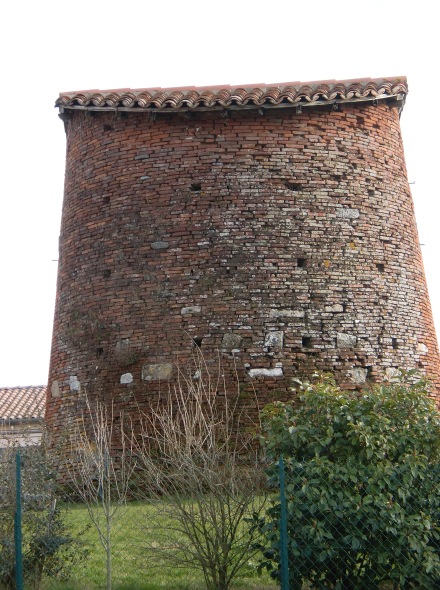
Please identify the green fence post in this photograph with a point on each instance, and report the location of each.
(284, 559)
(17, 526)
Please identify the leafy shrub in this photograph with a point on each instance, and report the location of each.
(49, 549)
(362, 486)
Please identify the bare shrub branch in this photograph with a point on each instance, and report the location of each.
(201, 472)
(101, 467)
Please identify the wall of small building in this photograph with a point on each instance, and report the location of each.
(19, 435)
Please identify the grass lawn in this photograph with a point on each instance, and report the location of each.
(132, 568)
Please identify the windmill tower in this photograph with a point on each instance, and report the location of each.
(273, 224)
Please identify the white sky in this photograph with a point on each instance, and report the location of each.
(48, 47)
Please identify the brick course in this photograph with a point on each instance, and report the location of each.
(287, 241)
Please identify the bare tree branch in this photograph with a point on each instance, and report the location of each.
(101, 468)
(202, 473)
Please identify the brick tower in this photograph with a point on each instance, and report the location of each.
(273, 224)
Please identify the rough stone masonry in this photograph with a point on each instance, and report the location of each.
(272, 227)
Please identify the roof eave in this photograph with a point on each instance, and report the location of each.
(20, 421)
(397, 99)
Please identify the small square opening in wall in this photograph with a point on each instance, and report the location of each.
(195, 187)
(197, 342)
(292, 185)
(380, 267)
(394, 343)
(301, 262)
(306, 342)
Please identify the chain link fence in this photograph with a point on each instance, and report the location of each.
(351, 528)
(174, 518)
(328, 531)
(346, 496)
(61, 537)
(38, 539)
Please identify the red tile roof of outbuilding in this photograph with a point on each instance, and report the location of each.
(22, 403)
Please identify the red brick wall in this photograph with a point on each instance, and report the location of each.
(287, 237)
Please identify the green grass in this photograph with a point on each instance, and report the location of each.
(132, 568)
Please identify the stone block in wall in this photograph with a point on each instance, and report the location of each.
(263, 372)
(126, 378)
(347, 213)
(231, 341)
(159, 245)
(124, 353)
(55, 388)
(157, 372)
(190, 309)
(74, 384)
(336, 308)
(274, 339)
(358, 374)
(391, 373)
(286, 313)
(345, 340)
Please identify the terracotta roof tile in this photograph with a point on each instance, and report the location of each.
(221, 97)
(22, 403)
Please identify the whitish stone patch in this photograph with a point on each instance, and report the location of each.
(336, 308)
(345, 340)
(286, 313)
(159, 245)
(391, 373)
(277, 372)
(126, 378)
(123, 345)
(157, 372)
(347, 213)
(191, 309)
(55, 389)
(231, 341)
(422, 348)
(274, 339)
(122, 351)
(74, 384)
(358, 374)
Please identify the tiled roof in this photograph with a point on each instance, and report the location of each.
(293, 94)
(22, 403)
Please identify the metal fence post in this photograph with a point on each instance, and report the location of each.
(17, 525)
(284, 559)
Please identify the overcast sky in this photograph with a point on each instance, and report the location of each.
(48, 47)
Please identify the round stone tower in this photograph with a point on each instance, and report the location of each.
(270, 227)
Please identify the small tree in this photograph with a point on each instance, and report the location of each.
(100, 469)
(49, 548)
(362, 483)
(202, 475)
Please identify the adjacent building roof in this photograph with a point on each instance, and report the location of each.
(22, 404)
(292, 94)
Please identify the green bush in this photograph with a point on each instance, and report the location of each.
(49, 548)
(362, 478)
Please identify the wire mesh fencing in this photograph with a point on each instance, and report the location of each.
(65, 539)
(35, 540)
(90, 534)
(354, 527)
(324, 528)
